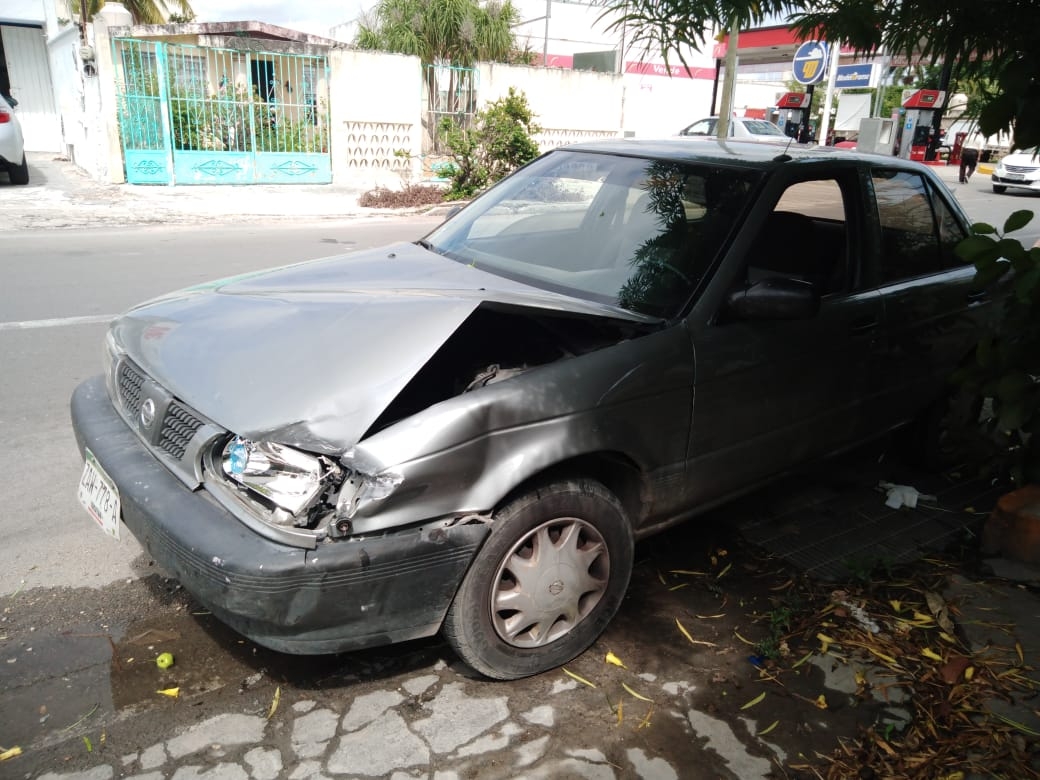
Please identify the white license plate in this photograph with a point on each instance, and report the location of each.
(1015, 176)
(99, 496)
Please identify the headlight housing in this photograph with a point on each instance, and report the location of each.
(288, 478)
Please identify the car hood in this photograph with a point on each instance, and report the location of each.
(310, 355)
(1021, 158)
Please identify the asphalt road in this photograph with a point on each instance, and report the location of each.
(58, 289)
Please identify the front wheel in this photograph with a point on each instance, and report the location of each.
(1000, 189)
(546, 583)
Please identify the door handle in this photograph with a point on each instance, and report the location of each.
(977, 297)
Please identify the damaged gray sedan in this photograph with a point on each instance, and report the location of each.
(466, 434)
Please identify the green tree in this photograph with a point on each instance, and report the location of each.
(455, 33)
(145, 11)
(459, 32)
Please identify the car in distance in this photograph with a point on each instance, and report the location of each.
(466, 434)
(740, 129)
(12, 145)
(1017, 170)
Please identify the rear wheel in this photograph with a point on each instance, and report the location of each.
(20, 174)
(1000, 189)
(546, 583)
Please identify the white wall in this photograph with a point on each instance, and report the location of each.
(570, 105)
(374, 111)
(45, 13)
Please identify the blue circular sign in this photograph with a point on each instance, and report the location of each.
(810, 62)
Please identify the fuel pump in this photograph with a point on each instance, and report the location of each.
(919, 106)
(791, 108)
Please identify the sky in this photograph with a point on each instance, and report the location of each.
(309, 16)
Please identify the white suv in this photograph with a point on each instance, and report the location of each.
(12, 147)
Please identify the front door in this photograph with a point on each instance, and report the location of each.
(770, 394)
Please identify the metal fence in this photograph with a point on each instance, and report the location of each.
(449, 92)
(192, 114)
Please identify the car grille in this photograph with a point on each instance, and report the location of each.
(130, 382)
(1020, 168)
(179, 425)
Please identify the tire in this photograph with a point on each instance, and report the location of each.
(1000, 189)
(20, 173)
(548, 580)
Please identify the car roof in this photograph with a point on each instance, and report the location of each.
(735, 153)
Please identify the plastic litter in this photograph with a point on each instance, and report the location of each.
(903, 495)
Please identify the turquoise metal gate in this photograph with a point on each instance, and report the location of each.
(198, 115)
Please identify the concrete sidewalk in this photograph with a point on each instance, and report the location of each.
(60, 195)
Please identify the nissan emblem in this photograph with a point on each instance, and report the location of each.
(148, 413)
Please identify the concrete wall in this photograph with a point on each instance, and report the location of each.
(570, 105)
(374, 112)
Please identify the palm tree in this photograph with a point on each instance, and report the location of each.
(447, 36)
(144, 11)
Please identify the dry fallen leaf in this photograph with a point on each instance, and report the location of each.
(613, 659)
(574, 676)
(274, 702)
(821, 702)
(11, 753)
(754, 701)
(769, 728)
(639, 696)
(173, 693)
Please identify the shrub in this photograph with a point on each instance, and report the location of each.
(412, 196)
(1006, 370)
(498, 143)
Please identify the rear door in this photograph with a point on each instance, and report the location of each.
(932, 309)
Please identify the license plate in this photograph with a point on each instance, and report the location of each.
(1015, 176)
(99, 496)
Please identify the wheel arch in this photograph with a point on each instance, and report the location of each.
(617, 472)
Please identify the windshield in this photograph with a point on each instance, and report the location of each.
(627, 231)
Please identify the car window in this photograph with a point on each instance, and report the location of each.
(702, 127)
(762, 127)
(805, 237)
(627, 231)
(918, 233)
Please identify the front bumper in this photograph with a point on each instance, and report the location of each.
(1025, 182)
(344, 595)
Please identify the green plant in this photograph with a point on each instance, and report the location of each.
(498, 143)
(1005, 372)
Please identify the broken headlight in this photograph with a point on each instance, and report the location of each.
(288, 478)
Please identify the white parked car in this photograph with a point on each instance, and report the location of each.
(740, 128)
(12, 147)
(1018, 169)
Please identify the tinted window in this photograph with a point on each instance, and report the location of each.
(918, 231)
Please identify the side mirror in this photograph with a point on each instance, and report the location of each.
(775, 298)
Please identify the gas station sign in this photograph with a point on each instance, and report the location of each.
(810, 62)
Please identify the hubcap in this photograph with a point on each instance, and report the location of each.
(549, 581)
